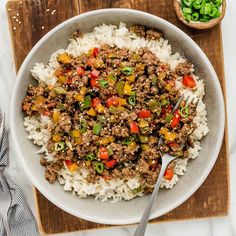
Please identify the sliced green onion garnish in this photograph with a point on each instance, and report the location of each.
(132, 99)
(82, 126)
(184, 111)
(103, 83)
(127, 70)
(90, 157)
(195, 16)
(128, 140)
(97, 128)
(197, 4)
(187, 10)
(120, 88)
(99, 167)
(59, 146)
(152, 103)
(86, 103)
(188, 2)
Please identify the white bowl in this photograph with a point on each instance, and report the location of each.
(124, 212)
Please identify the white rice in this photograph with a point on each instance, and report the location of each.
(115, 189)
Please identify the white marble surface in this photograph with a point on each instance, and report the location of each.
(225, 226)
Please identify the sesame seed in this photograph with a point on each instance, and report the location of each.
(48, 9)
(17, 14)
(13, 17)
(14, 28)
(9, 9)
(52, 13)
(42, 27)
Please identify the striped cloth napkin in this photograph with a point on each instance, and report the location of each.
(20, 218)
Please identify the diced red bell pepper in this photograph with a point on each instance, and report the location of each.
(173, 145)
(69, 81)
(94, 83)
(106, 177)
(169, 174)
(144, 113)
(94, 74)
(90, 61)
(111, 163)
(134, 127)
(80, 70)
(46, 113)
(166, 110)
(112, 101)
(95, 52)
(68, 162)
(188, 81)
(176, 119)
(103, 153)
(95, 101)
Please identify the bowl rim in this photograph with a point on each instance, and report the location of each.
(48, 194)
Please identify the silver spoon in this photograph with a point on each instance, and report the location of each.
(140, 231)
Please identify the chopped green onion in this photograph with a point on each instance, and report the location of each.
(90, 157)
(217, 3)
(188, 2)
(60, 90)
(187, 10)
(127, 70)
(86, 103)
(214, 13)
(132, 99)
(103, 83)
(59, 146)
(198, 4)
(82, 126)
(195, 16)
(102, 119)
(128, 140)
(99, 167)
(110, 151)
(206, 9)
(201, 10)
(184, 111)
(97, 128)
(169, 117)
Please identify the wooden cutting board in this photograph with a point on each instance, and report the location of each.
(29, 20)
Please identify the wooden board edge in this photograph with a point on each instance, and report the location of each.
(226, 136)
(11, 33)
(37, 216)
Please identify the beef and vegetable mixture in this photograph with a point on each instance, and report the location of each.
(109, 108)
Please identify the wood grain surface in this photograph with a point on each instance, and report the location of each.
(29, 20)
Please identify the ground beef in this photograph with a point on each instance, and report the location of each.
(120, 131)
(184, 68)
(85, 125)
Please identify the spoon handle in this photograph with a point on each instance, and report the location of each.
(140, 230)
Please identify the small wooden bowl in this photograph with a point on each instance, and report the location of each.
(197, 24)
